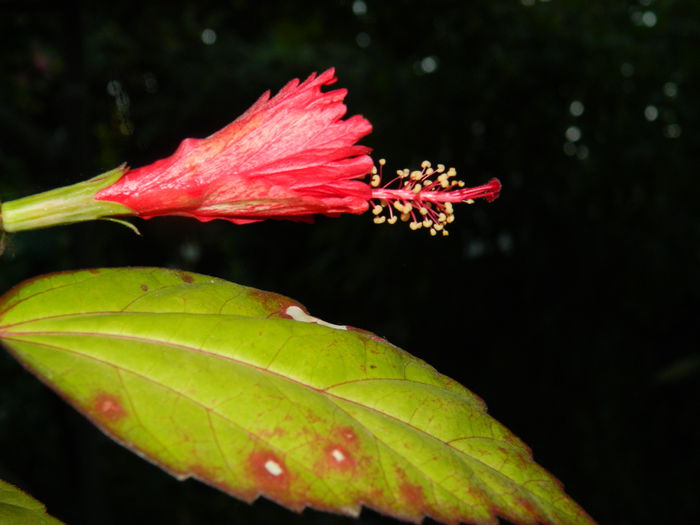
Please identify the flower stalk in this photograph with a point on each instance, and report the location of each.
(66, 205)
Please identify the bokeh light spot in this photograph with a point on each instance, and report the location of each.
(359, 7)
(573, 133)
(576, 108)
(429, 64)
(651, 113)
(363, 40)
(208, 36)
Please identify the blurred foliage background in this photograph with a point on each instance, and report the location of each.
(570, 304)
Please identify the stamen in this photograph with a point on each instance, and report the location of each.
(422, 201)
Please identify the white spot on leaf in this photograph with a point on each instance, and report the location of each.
(273, 467)
(338, 455)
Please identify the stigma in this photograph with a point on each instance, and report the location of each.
(424, 198)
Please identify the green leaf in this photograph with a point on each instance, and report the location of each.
(245, 391)
(19, 508)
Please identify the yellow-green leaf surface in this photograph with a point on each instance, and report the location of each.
(245, 391)
(19, 508)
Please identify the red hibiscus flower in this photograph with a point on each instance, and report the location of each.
(291, 156)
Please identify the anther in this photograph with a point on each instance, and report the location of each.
(423, 198)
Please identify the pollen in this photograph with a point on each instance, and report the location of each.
(423, 198)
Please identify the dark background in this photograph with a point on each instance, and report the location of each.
(570, 304)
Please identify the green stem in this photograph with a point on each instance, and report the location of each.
(65, 205)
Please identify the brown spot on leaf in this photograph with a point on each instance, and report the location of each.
(186, 277)
(144, 287)
(413, 495)
(347, 433)
(269, 471)
(271, 433)
(312, 417)
(200, 472)
(369, 335)
(275, 304)
(272, 478)
(528, 506)
(108, 407)
(93, 271)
